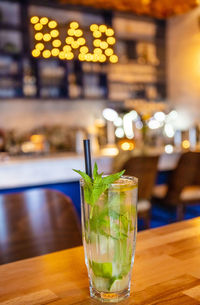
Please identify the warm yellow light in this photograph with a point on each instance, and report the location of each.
(97, 51)
(37, 138)
(34, 19)
(38, 36)
(89, 57)
(47, 37)
(113, 59)
(186, 144)
(78, 33)
(146, 2)
(81, 57)
(198, 2)
(46, 53)
(54, 33)
(97, 34)
(109, 52)
(95, 57)
(69, 56)
(62, 55)
(38, 26)
(94, 27)
(67, 49)
(111, 40)
(36, 53)
(56, 43)
(55, 52)
(71, 32)
(103, 45)
(127, 146)
(84, 50)
(102, 58)
(75, 45)
(52, 24)
(102, 28)
(74, 25)
(81, 41)
(39, 46)
(69, 40)
(96, 42)
(44, 20)
(109, 32)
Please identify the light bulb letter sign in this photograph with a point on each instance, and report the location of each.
(48, 44)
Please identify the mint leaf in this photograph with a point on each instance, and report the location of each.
(95, 187)
(86, 178)
(112, 178)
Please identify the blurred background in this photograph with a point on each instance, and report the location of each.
(124, 74)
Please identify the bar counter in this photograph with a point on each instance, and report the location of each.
(16, 172)
(166, 271)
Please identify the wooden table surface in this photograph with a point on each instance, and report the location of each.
(166, 271)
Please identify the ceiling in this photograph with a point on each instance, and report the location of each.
(153, 8)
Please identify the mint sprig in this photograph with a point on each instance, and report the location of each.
(95, 187)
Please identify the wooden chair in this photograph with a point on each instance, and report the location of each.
(183, 187)
(36, 222)
(145, 169)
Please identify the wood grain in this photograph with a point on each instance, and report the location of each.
(166, 271)
(39, 297)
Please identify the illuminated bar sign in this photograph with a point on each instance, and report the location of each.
(48, 43)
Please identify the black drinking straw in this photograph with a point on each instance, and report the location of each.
(88, 166)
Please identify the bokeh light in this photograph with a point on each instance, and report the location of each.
(75, 45)
(38, 36)
(39, 46)
(52, 24)
(97, 51)
(96, 42)
(71, 32)
(81, 41)
(109, 52)
(102, 28)
(56, 43)
(78, 33)
(67, 49)
(69, 56)
(55, 52)
(97, 34)
(62, 55)
(81, 57)
(34, 19)
(109, 32)
(54, 33)
(44, 20)
(74, 25)
(111, 40)
(84, 50)
(103, 45)
(47, 37)
(69, 40)
(46, 53)
(113, 59)
(38, 26)
(94, 27)
(102, 58)
(36, 53)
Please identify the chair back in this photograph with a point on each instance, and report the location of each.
(145, 169)
(185, 174)
(36, 222)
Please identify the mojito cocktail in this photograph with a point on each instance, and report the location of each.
(109, 226)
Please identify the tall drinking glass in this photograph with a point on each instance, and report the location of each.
(109, 230)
